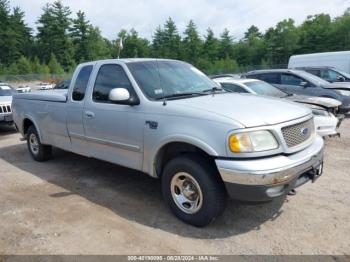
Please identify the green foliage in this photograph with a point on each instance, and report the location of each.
(53, 36)
(63, 40)
(23, 66)
(54, 65)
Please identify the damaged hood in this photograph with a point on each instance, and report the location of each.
(324, 102)
(341, 87)
(248, 109)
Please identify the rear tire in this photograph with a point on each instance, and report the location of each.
(193, 190)
(38, 151)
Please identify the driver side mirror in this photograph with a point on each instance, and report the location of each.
(122, 96)
(303, 84)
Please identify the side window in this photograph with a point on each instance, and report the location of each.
(288, 79)
(314, 72)
(110, 76)
(272, 78)
(81, 83)
(233, 88)
(329, 75)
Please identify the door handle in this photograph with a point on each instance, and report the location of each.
(89, 114)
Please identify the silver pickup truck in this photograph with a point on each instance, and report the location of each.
(170, 121)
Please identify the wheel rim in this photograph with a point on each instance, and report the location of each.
(186, 193)
(34, 144)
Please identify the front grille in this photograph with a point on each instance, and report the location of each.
(296, 134)
(5, 109)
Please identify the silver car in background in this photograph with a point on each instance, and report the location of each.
(324, 109)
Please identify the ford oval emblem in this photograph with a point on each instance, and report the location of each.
(304, 131)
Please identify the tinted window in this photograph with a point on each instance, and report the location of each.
(288, 79)
(233, 88)
(272, 78)
(313, 71)
(81, 83)
(108, 78)
(330, 75)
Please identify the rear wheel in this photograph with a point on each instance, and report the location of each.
(193, 190)
(37, 150)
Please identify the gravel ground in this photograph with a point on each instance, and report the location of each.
(76, 205)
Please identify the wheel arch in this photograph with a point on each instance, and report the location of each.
(26, 123)
(171, 148)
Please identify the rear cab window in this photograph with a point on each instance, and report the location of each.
(81, 83)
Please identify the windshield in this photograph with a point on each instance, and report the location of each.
(342, 73)
(158, 79)
(312, 78)
(265, 89)
(6, 91)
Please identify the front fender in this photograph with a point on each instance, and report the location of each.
(150, 155)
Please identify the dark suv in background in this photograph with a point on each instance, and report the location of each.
(300, 82)
(330, 74)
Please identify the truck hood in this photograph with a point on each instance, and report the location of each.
(247, 109)
(325, 102)
(6, 99)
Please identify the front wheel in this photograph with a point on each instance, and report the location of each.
(37, 150)
(193, 190)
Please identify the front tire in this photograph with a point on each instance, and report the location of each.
(193, 190)
(38, 151)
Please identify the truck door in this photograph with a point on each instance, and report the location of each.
(75, 108)
(114, 131)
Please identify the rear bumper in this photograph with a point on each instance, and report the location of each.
(264, 179)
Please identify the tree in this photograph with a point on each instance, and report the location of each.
(192, 44)
(54, 65)
(23, 66)
(225, 45)
(210, 46)
(133, 45)
(15, 36)
(79, 33)
(167, 41)
(53, 35)
(282, 42)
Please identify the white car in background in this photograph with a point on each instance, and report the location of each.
(45, 86)
(324, 109)
(23, 89)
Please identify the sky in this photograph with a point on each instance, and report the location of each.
(146, 15)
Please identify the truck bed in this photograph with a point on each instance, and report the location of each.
(52, 96)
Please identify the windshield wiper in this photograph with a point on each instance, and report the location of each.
(213, 90)
(180, 95)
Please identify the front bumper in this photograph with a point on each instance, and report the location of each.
(261, 180)
(6, 118)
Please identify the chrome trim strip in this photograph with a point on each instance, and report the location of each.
(106, 142)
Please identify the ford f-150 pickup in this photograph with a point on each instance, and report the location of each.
(170, 121)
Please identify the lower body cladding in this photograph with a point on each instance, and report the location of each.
(261, 180)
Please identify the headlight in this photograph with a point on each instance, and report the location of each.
(320, 112)
(255, 141)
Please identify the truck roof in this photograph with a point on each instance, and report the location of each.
(130, 60)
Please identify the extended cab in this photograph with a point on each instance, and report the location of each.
(170, 121)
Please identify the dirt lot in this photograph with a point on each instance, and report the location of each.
(76, 205)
